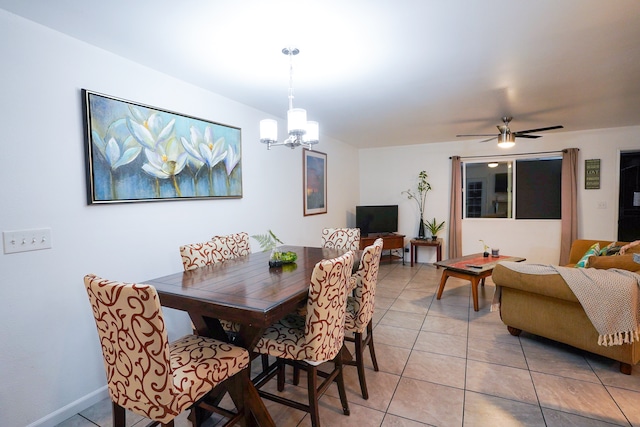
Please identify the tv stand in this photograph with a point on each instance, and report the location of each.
(390, 242)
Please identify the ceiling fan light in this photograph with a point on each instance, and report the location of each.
(506, 140)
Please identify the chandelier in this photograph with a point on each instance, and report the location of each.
(301, 131)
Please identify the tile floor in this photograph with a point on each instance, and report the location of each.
(442, 364)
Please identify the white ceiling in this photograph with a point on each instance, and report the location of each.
(384, 72)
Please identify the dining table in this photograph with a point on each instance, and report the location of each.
(247, 291)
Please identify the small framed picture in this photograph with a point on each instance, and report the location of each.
(314, 170)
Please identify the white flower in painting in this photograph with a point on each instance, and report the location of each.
(231, 160)
(117, 147)
(149, 131)
(164, 162)
(203, 148)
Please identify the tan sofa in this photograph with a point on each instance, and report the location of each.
(544, 305)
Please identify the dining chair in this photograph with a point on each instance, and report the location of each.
(341, 238)
(360, 308)
(307, 342)
(196, 255)
(231, 246)
(218, 249)
(152, 377)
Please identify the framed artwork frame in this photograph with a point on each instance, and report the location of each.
(138, 153)
(314, 171)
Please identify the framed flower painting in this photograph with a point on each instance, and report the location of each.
(135, 153)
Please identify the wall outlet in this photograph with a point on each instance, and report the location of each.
(602, 205)
(26, 240)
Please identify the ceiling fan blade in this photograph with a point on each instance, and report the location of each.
(487, 140)
(528, 136)
(520, 132)
(486, 134)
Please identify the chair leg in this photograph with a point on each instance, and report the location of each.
(281, 366)
(312, 387)
(296, 375)
(340, 381)
(360, 365)
(372, 351)
(118, 415)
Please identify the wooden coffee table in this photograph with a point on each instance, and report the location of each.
(474, 268)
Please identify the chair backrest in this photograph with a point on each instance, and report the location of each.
(135, 346)
(231, 246)
(341, 238)
(366, 279)
(326, 305)
(196, 255)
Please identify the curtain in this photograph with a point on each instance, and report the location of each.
(455, 214)
(569, 208)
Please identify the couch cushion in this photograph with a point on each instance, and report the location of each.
(594, 250)
(623, 262)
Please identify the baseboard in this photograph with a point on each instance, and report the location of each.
(71, 409)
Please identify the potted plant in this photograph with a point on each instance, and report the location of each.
(485, 248)
(434, 227)
(420, 197)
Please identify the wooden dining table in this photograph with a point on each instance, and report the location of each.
(244, 290)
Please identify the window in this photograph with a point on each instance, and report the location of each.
(526, 188)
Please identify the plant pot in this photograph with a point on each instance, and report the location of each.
(434, 238)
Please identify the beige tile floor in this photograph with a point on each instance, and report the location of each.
(442, 364)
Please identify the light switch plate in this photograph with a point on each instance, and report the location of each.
(26, 240)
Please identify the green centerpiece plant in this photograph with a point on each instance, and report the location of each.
(420, 197)
(269, 242)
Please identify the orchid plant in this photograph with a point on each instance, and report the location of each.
(420, 197)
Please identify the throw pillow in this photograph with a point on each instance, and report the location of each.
(594, 250)
(605, 250)
(623, 262)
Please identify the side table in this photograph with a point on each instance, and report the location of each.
(425, 242)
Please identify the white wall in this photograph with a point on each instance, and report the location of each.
(50, 361)
(538, 241)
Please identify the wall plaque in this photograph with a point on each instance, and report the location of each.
(592, 174)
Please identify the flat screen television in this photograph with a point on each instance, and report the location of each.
(377, 219)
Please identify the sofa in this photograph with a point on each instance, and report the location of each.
(544, 305)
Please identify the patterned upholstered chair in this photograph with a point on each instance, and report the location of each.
(150, 376)
(196, 255)
(341, 238)
(307, 342)
(231, 246)
(360, 310)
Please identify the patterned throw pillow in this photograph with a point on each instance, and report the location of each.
(606, 249)
(584, 261)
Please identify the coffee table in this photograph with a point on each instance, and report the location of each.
(474, 268)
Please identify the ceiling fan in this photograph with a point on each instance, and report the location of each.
(507, 138)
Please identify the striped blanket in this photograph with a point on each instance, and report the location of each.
(610, 298)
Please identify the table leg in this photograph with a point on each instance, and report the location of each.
(412, 255)
(443, 280)
(438, 255)
(474, 290)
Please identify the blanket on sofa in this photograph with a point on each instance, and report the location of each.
(610, 298)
